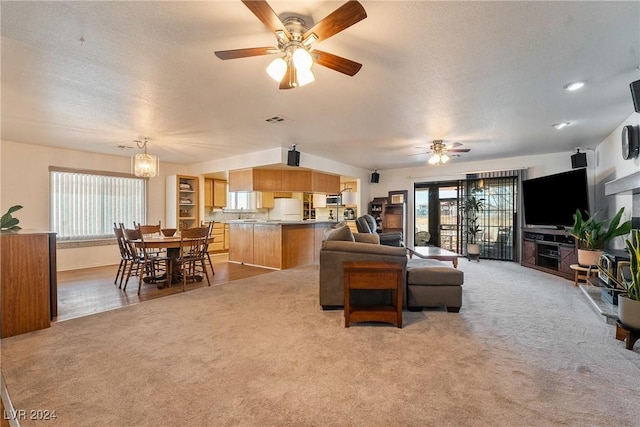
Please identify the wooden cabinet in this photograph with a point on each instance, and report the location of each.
(264, 199)
(283, 180)
(28, 282)
(215, 193)
(394, 217)
(220, 235)
(182, 201)
(549, 250)
(308, 210)
(241, 243)
(377, 207)
(324, 183)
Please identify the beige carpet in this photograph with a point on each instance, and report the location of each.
(526, 349)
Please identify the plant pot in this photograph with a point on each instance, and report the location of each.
(587, 257)
(629, 311)
(473, 249)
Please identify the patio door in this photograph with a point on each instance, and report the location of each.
(437, 219)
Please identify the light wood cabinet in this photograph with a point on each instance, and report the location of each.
(215, 193)
(241, 243)
(324, 183)
(264, 199)
(276, 245)
(29, 287)
(182, 201)
(277, 180)
(220, 235)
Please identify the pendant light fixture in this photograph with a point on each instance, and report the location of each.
(144, 165)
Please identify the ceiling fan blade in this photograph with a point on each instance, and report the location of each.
(343, 17)
(457, 150)
(263, 11)
(289, 79)
(244, 53)
(335, 62)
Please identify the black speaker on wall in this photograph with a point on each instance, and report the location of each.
(375, 177)
(579, 160)
(635, 94)
(293, 159)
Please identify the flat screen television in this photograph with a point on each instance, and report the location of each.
(553, 199)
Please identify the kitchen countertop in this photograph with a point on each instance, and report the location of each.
(276, 222)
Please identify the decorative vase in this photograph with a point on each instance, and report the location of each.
(629, 311)
(587, 258)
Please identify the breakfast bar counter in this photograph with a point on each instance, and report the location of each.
(276, 244)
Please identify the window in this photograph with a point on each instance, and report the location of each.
(241, 201)
(85, 204)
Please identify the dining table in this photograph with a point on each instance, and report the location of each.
(172, 246)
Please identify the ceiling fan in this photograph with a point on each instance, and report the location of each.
(440, 148)
(296, 41)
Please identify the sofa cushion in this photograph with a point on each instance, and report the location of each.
(340, 233)
(431, 272)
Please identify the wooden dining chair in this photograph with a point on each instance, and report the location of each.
(125, 256)
(210, 227)
(192, 261)
(148, 266)
(150, 229)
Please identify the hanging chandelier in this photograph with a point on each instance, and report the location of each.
(144, 165)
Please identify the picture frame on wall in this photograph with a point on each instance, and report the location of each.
(397, 197)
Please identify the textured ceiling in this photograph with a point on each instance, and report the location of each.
(95, 75)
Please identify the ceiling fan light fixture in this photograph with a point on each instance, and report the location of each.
(435, 159)
(305, 76)
(277, 69)
(311, 38)
(302, 59)
(444, 158)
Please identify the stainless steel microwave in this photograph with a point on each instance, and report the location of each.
(333, 200)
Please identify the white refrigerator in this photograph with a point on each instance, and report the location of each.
(286, 210)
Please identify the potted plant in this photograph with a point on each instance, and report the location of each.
(593, 234)
(8, 222)
(629, 302)
(472, 206)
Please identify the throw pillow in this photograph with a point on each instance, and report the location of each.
(341, 232)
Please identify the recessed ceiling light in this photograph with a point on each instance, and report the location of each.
(561, 125)
(573, 86)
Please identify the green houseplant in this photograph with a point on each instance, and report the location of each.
(629, 303)
(472, 206)
(8, 222)
(593, 234)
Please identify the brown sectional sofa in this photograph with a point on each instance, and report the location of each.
(428, 282)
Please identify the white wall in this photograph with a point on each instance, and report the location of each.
(25, 181)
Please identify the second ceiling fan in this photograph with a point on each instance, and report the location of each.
(296, 41)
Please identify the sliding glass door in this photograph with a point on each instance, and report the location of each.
(439, 217)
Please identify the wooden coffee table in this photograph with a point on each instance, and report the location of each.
(363, 275)
(434, 252)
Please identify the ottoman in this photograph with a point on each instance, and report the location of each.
(432, 283)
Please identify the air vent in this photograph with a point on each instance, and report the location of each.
(124, 147)
(275, 119)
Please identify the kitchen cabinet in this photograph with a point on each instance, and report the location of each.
(264, 199)
(29, 286)
(308, 209)
(182, 201)
(220, 235)
(241, 243)
(280, 180)
(215, 193)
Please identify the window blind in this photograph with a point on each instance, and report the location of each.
(85, 205)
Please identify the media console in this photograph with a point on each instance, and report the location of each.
(549, 250)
